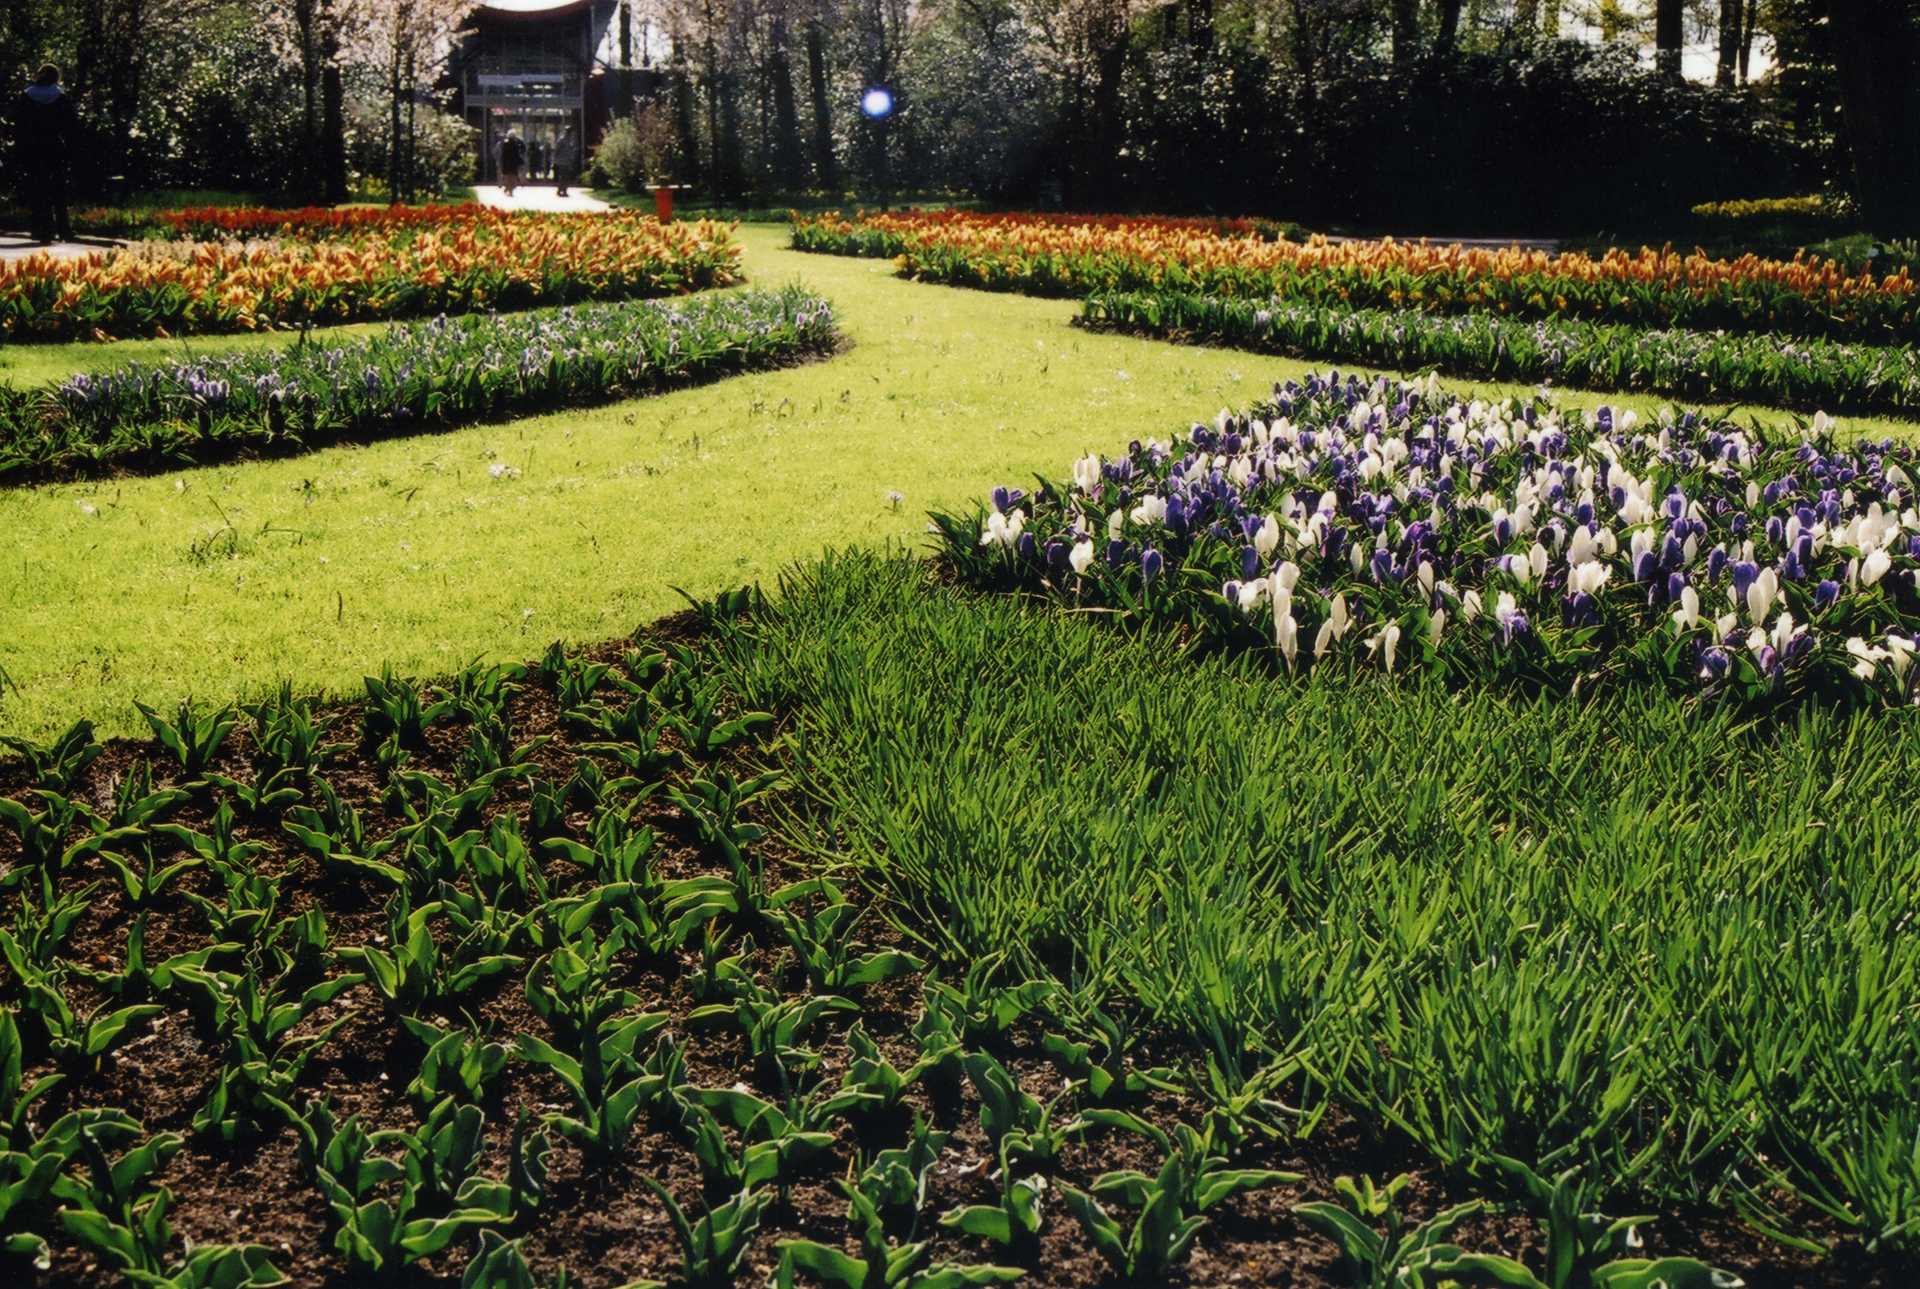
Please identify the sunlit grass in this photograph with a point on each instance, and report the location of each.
(220, 582)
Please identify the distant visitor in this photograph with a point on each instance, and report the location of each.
(513, 155)
(43, 129)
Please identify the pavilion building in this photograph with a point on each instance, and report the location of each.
(540, 68)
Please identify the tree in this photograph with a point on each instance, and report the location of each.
(1668, 25)
(1875, 44)
(408, 41)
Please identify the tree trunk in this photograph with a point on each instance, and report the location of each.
(1748, 23)
(1874, 48)
(1449, 33)
(825, 168)
(1110, 65)
(1526, 19)
(789, 162)
(1731, 11)
(304, 19)
(333, 124)
(1200, 23)
(1406, 32)
(393, 125)
(1667, 37)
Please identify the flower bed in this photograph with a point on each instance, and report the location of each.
(1354, 522)
(422, 376)
(211, 223)
(1803, 373)
(1055, 256)
(387, 271)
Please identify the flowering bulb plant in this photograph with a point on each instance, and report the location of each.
(1053, 255)
(1354, 522)
(413, 378)
(382, 270)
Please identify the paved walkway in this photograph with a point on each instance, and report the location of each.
(538, 197)
(14, 246)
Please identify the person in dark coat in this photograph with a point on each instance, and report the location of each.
(513, 155)
(566, 159)
(44, 127)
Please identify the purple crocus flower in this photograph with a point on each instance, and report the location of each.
(1825, 594)
(1151, 563)
(1744, 571)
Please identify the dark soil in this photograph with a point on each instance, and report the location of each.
(602, 1223)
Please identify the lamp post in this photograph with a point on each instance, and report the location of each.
(876, 104)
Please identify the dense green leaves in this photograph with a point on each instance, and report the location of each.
(1812, 374)
(412, 378)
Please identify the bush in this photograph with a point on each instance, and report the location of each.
(635, 152)
(445, 148)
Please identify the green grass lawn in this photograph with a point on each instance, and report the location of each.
(219, 582)
(1658, 944)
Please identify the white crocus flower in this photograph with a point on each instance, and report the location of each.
(1287, 576)
(1267, 539)
(1436, 623)
(1385, 642)
(1588, 577)
(1470, 606)
(1003, 530)
(1081, 556)
(1116, 524)
(1900, 653)
(1761, 594)
(1537, 557)
(1687, 616)
(1424, 575)
(1086, 473)
(1723, 627)
(1782, 632)
(1867, 657)
(1337, 617)
(1151, 510)
(1875, 566)
(1286, 632)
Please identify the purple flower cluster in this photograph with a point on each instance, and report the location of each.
(1368, 520)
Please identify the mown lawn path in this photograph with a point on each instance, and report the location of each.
(219, 582)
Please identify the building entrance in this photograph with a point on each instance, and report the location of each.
(548, 132)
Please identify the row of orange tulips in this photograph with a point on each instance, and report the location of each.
(404, 269)
(1078, 256)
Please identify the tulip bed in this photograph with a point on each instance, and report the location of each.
(1075, 256)
(415, 378)
(1353, 522)
(1773, 371)
(384, 269)
(213, 223)
(506, 974)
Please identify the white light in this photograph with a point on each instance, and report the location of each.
(877, 102)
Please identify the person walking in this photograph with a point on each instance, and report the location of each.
(566, 159)
(513, 155)
(43, 129)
